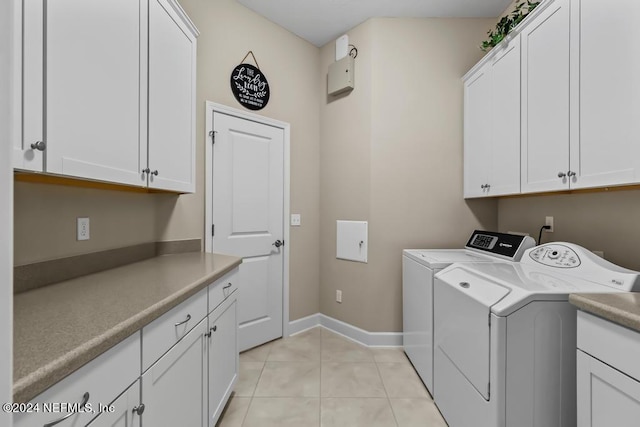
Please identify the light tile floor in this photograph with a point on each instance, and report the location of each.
(318, 378)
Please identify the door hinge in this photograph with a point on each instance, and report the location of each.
(213, 229)
(212, 134)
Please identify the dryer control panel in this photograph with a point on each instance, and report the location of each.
(501, 245)
(576, 261)
(555, 255)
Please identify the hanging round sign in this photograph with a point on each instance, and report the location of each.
(250, 87)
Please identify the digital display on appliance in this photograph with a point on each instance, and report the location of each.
(484, 241)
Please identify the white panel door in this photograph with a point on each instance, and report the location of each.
(248, 203)
(172, 56)
(606, 397)
(174, 388)
(477, 132)
(605, 97)
(504, 172)
(545, 100)
(93, 79)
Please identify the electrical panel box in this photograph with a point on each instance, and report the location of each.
(341, 76)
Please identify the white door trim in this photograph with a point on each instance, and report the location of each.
(212, 107)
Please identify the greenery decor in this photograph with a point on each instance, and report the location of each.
(508, 23)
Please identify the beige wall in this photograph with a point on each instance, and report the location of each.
(391, 154)
(45, 214)
(45, 220)
(604, 221)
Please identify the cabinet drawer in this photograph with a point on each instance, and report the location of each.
(222, 288)
(613, 344)
(161, 334)
(104, 378)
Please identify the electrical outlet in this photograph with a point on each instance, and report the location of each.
(83, 229)
(549, 221)
(295, 220)
(339, 296)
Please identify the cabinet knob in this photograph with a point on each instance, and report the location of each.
(39, 145)
(146, 170)
(483, 186)
(215, 328)
(561, 174)
(571, 173)
(138, 409)
(155, 172)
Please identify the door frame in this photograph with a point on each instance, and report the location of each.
(212, 107)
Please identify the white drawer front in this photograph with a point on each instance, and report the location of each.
(104, 378)
(613, 344)
(161, 334)
(222, 288)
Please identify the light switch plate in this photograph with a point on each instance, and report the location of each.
(295, 220)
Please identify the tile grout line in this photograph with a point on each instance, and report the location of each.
(385, 391)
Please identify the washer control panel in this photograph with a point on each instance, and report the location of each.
(555, 255)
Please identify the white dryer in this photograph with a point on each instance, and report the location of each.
(418, 269)
(505, 336)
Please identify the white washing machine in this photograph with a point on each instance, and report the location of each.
(418, 269)
(505, 336)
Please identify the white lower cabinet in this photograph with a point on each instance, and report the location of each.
(189, 362)
(174, 388)
(608, 380)
(125, 411)
(78, 397)
(223, 355)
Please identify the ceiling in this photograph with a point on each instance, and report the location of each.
(320, 21)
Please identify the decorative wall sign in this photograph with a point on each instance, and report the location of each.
(249, 85)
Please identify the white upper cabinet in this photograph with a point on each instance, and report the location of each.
(505, 108)
(172, 67)
(605, 98)
(477, 132)
(92, 89)
(545, 100)
(492, 124)
(96, 76)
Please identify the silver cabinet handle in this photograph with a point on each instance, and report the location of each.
(155, 172)
(561, 174)
(85, 400)
(184, 321)
(39, 145)
(138, 409)
(215, 328)
(146, 170)
(483, 186)
(227, 286)
(570, 174)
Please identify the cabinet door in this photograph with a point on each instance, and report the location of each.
(606, 397)
(223, 356)
(123, 414)
(605, 146)
(504, 172)
(477, 132)
(28, 69)
(545, 100)
(174, 388)
(92, 89)
(172, 56)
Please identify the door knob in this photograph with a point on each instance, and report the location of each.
(278, 243)
(39, 145)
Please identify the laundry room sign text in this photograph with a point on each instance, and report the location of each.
(250, 87)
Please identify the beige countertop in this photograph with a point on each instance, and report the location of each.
(621, 308)
(59, 328)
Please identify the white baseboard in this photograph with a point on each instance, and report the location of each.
(370, 339)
